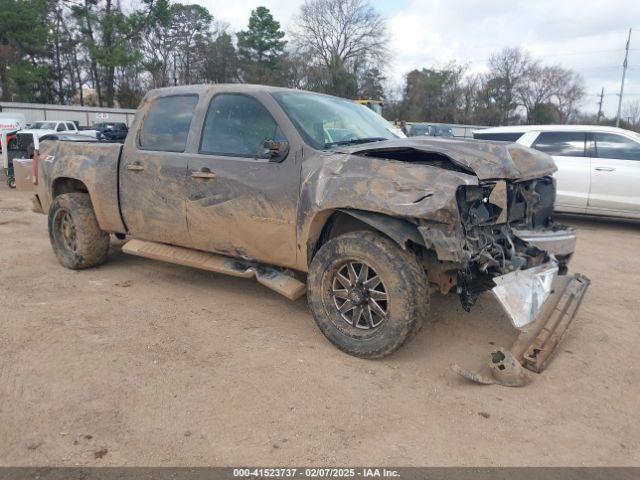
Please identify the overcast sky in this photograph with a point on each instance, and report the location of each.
(586, 35)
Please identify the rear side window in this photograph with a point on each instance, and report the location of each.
(238, 125)
(498, 137)
(71, 126)
(610, 145)
(166, 126)
(561, 144)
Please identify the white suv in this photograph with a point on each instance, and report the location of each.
(598, 167)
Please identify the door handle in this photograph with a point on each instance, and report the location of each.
(605, 169)
(134, 167)
(203, 173)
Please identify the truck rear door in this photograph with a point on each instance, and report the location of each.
(153, 170)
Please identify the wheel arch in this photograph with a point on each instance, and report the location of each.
(331, 223)
(63, 185)
(104, 199)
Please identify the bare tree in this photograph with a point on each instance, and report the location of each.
(508, 70)
(569, 96)
(632, 113)
(341, 34)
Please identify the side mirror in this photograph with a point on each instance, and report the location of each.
(275, 150)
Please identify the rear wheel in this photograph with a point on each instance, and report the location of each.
(368, 296)
(74, 233)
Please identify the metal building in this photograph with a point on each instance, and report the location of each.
(84, 116)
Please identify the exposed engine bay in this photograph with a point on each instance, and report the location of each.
(492, 215)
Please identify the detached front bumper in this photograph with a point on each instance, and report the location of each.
(541, 304)
(538, 340)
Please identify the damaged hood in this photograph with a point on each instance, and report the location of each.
(487, 160)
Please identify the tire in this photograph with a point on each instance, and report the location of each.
(74, 233)
(404, 284)
(11, 182)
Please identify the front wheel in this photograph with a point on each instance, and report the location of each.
(367, 295)
(75, 236)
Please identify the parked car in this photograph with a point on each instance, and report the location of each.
(598, 167)
(111, 131)
(252, 181)
(430, 130)
(48, 127)
(67, 137)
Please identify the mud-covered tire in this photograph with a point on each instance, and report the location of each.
(404, 282)
(74, 233)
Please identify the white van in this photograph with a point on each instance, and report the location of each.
(598, 167)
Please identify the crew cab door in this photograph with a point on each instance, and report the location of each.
(241, 202)
(153, 170)
(573, 177)
(615, 174)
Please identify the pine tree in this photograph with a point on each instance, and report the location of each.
(261, 48)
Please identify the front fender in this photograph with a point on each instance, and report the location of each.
(412, 192)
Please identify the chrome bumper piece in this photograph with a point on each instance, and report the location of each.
(558, 242)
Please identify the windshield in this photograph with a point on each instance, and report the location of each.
(327, 122)
(44, 126)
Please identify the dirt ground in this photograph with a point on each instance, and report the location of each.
(143, 363)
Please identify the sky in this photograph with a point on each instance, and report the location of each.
(587, 36)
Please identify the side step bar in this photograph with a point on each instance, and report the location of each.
(267, 276)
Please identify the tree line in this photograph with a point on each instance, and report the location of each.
(95, 52)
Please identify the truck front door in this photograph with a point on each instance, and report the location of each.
(242, 202)
(153, 172)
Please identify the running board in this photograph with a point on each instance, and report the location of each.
(267, 276)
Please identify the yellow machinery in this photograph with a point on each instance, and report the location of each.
(375, 105)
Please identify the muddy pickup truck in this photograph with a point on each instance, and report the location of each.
(312, 193)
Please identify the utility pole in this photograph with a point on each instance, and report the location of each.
(600, 106)
(624, 73)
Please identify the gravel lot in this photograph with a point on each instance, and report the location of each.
(143, 363)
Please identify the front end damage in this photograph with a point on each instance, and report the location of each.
(511, 247)
(483, 214)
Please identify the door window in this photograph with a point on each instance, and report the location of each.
(561, 144)
(60, 127)
(237, 125)
(71, 126)
(166, 126)
(610, 145)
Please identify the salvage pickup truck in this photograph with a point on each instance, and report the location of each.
(312, 193)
